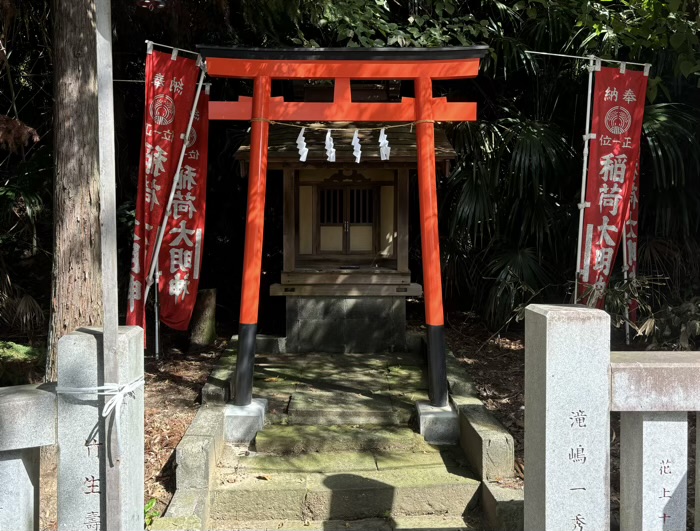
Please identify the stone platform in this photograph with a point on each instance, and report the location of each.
(339, 450)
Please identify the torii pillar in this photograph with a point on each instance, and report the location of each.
(430, 243)
(252, 253)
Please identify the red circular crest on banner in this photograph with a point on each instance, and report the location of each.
(618, 120)
(163, 109)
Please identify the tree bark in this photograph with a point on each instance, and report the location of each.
(76, 293)
(203, 322)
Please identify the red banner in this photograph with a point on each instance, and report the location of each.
(181, 253)
(631, 239)
(618, 111)
(171, 83)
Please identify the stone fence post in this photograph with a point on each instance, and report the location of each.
(84, 452)
(27, 421)
(567, 420)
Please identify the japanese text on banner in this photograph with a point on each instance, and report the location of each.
(171, 83)
(614, 153)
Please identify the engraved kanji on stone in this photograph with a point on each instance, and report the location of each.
(577, 455)
(578, 419)
(93, 521)
(92, 485)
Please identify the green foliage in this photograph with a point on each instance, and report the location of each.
(510, 203)
(150, 513)
(20, 364)
(508, 208)
(25, 167)
(674, 327)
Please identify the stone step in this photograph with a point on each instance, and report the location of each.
(392, 492)
(343, 485)
(282, 440)
(232, 466)
(405, 523)
(320, 407)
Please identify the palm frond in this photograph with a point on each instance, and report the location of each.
(539, 156)
(672, 143)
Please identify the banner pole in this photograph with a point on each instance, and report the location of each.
(625, 269)
(157, 315)
(176, 179)
(592, 66)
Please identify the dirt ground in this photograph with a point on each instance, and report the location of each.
(496, 363)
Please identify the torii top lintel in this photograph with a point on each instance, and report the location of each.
(343, 65)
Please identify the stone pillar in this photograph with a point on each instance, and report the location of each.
(82, 441)
(567, 420)
(27, 421)
(19, 490)
(653, 471)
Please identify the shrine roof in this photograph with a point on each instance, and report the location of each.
(345, 54)
(282, 146)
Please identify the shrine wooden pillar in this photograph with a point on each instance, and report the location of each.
(252, 254)
(430, 242)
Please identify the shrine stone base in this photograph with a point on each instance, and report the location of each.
(335, 325)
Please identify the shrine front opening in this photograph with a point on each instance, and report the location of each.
(346, 222)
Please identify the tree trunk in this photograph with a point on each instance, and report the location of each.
(76, 293)
(203, 322)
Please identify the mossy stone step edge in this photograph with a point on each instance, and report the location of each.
(407, 492)
(298, 439)
(426, 523)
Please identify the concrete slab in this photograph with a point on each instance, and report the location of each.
(438, 425)
(408, 377)
(502, 508)
(487, 444)
(257, 497)
(434, 523)
(186, 523)
(27, 416)
(319, 407)
(655, 381)
(309, 463)
(409, 492)
(374, 524)
(242, 423)
(413, 460)
(217, 389)
(297, 439)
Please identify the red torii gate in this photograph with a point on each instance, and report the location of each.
(422, 66)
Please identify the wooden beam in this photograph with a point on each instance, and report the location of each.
(335, 277)
(284, 111)
(249, 69)
(345, 290)
(402, 241)
(288, 246)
